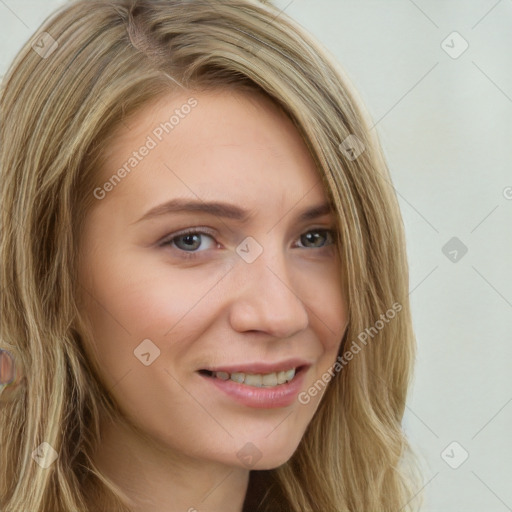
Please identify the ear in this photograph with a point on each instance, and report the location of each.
(10, 376)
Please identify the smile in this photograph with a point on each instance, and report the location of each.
(258, 380)
(258, 390)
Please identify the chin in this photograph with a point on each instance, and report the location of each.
(264, 454)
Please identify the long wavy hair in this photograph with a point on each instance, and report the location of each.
(91, 64)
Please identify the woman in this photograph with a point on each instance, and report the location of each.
(155, 377)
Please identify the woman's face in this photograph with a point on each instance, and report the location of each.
(251, 293)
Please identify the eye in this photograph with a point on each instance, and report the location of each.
(313, 237)
(188, 242)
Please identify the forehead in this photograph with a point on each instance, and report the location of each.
(216, 143)
(201, 118)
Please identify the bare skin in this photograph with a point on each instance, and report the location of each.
(214, 309)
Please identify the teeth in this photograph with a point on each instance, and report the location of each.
(258, 380)
(238, 377)
(269, 380)
(254, 380)
(281, 377)
(290, 374)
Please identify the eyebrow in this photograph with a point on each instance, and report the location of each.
(225, 210)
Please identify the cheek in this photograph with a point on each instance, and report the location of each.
(140, 295)
(144, 322)
(329, 317)
(130, 302)
(328, 309)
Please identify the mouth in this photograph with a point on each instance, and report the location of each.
(259, 385)
(257, 380)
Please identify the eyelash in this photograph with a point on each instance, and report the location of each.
(203, 231)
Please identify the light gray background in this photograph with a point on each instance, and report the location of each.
(446, 127)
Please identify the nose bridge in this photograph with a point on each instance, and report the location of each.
(266, 298)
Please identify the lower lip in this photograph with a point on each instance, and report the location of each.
(274, 397)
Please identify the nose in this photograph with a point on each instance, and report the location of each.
(266, 299)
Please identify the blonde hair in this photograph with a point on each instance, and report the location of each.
(58, 109)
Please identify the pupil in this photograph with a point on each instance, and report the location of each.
(311, 237)
(189, 240)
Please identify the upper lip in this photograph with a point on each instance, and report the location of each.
(260, 367)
